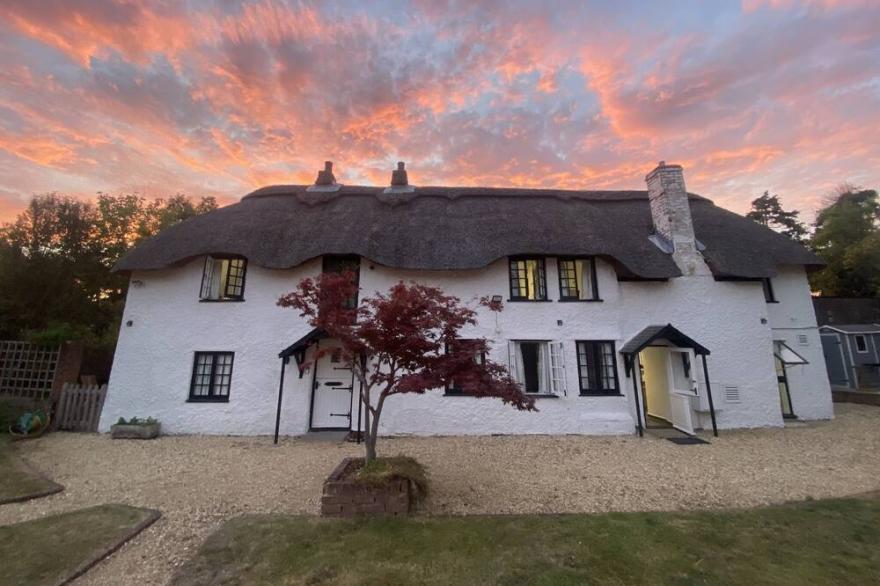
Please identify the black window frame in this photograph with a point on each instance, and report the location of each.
(769, 294)
(240, 274)
(596, 354)
(541, 291)
(354, 265)
(212, 396)
(453, 390)
(593, 280)
(856, 342)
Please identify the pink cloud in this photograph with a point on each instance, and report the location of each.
(220, 98)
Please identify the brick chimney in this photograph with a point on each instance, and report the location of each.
(399, 180)
(325, 181)
(671, 213)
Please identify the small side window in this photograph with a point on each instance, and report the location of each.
(861, 344)
(223, 279)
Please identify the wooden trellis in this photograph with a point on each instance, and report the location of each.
(27, 370)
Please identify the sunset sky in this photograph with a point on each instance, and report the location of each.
(221, 97)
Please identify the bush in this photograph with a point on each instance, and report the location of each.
(136, 421)
(381, 470)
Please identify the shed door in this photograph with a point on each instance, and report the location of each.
(833, 351)
(331, 400)
(682, 388)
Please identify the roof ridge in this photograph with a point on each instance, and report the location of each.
(453, 193)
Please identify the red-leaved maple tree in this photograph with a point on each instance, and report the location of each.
(405, 341)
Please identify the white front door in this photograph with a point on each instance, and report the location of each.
(682, 388)
(331, 398)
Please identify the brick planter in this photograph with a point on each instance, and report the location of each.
(343, 497)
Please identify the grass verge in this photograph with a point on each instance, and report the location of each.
(18, 481)
(815, 542)
(56, 549)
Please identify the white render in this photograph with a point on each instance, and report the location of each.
(164, 324)
(153, 363)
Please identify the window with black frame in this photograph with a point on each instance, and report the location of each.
(577, 279)
(597, 368)
(223, 279)
(528, 279)
(454, 388)
(211, 376)
(341, 264)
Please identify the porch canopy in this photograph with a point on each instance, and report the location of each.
(670, 333)
(298, 351)
(298, 348)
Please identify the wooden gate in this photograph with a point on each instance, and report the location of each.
(79, 407)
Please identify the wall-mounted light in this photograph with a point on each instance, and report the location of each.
(558, 322)
(496, 299)
(129, 323)
(137, 283)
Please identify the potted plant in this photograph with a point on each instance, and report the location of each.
(29, 425)
(135, 428)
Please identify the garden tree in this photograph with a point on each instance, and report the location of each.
(405, 341)
(56, 259)
(767, 210)
(847, 237)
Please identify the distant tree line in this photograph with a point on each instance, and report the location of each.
(56, 258)
(846, 234)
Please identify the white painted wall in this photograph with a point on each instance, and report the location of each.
(791, 318)
(153, 362)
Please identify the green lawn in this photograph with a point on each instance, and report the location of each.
(55, 549)
(818, 542)
(18, 481)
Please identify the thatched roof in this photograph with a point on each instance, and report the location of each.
(461, 228)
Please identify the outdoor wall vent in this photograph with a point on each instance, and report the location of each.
(731, 394)
(803, 340)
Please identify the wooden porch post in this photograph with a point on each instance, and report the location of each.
(709, 396)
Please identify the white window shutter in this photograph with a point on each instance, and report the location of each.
(512, 360)
(557, 369)
(207, 278)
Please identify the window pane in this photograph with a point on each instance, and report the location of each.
(568, 280)
(527, 279)
(596, 367)
(212, 374)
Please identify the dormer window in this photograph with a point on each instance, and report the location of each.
(223, 279)
(528, 280)
(577, 279)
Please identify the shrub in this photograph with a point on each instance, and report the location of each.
(136, 421)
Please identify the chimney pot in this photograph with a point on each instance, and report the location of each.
(398, 177)
(326, 177)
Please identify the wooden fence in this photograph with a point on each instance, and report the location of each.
(79, 407)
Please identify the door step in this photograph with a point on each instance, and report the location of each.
(687, 440)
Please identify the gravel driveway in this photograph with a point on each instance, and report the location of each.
(198, 482)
